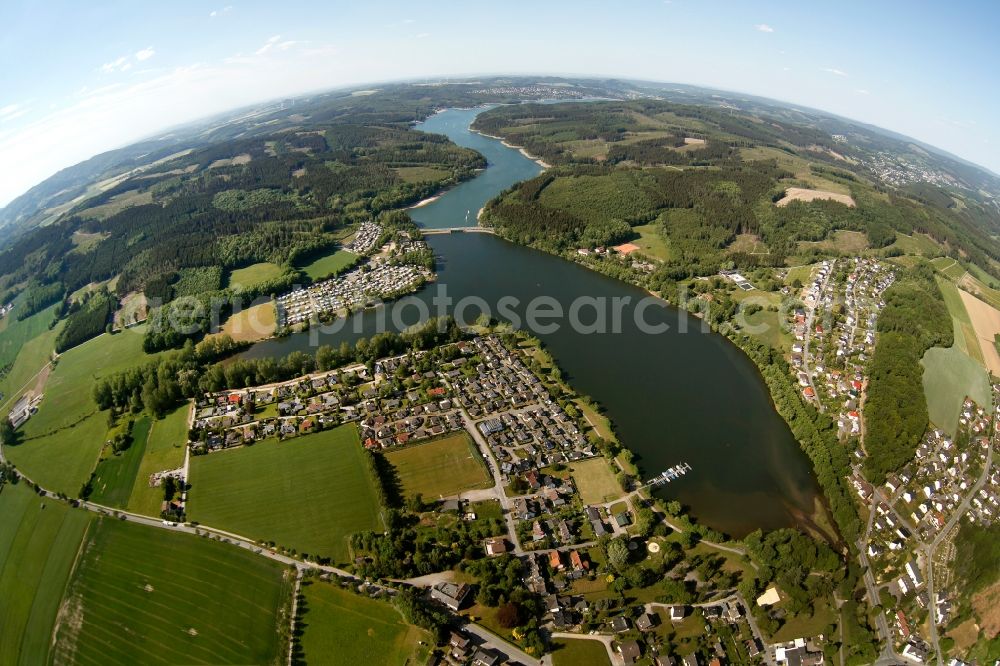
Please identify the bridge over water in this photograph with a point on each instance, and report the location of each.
(447, 230)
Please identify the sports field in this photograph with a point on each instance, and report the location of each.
(115, 474)
(341, 627)
(949, 376)
(577, 652)
(595, 481)
(330, 264)
(146, 595)
(255, 274)
(39, 540)
(440, 468)
(164, 450)
(62, 461)
(309, 493)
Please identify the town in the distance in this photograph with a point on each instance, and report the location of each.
(228, 437)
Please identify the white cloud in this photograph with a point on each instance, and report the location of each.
(11, 112)
(835, 71)
(145, 54)
(422, 35)
(763, 27)
(219, 12)
(268, 45)
(862, 91)
(114, 65)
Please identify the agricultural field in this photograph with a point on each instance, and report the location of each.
(115, 474)
(340, 627)
(949, 376)
(27, 371)
(76, 448)
(251, 324)
(577, 652)
(918, 243)
(255, 274)
(39, 540)
(145, 595)
(309, 493)
(16, 333)
(986, 325)
(68, 396)
(802, 194)
(439, 468)
(164, 450)
(330, 264)
(948, 267)
(965, 334)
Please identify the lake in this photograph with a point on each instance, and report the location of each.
(683, 395)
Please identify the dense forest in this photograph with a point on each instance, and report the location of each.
(914, 319)
(722, 190)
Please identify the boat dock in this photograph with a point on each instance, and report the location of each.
(671, 474)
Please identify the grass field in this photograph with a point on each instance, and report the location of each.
(16, 333)
(164, 450)
(330, 264)
(39, 539)
(143, 595)
(595, 480)
(62, 461)
(420, 174)
(255, 274)
(949, 376)
(24, 374)
(254, 323)
(68, 395)
(948, 267)
(965, 334)
(115, 474)
(579, 652)
(340, 627)
(651, 241)
(309, 493)
(848, 242)
(440, 468)
(918, 243)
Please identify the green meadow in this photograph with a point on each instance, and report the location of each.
(309, 493)
(145, 595)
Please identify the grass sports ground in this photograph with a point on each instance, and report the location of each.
(143, 595)
(164, 450)
(595, 481)
(949, 376)
(576, 652)
(115, 474)
(39, 540)
(309, 493)
(419, 468)
(340, 627)
(330, 264)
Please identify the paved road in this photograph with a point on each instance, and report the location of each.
(929, 551)
(498, 490)
(494, 642)
(810, 316)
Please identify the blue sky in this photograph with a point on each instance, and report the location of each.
(78, 78)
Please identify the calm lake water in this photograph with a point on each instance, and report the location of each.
(674, 396)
